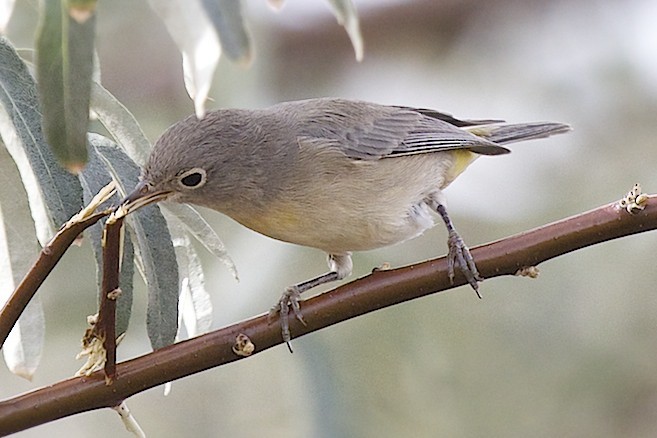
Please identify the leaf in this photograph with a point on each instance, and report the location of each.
(18, 248)
(227, 18)
(20, 127)
(120, 123)
(153, 245)
(94, 177)
(198, 227)
(65, 50)
(195, 36)
(6, 8)
(195, 308)
(161, 271)
(24, 345)
(345, 12)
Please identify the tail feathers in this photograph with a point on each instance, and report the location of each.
(503, 134)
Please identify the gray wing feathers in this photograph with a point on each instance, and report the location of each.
(449, 118)
(371, 132)
(366, 131)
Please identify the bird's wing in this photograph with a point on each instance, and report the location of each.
(450, 118)
(369, 132)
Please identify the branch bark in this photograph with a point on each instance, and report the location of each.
(105, 328)
(378, 290)
(48, 258)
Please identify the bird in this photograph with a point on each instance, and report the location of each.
(333, 174)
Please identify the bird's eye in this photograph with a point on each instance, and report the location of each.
(192, 178)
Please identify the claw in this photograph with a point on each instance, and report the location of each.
(289, 300)
(459, 255)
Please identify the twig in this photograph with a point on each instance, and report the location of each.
(99, 341)
(380, 289)
(48, 258)
(109, 293)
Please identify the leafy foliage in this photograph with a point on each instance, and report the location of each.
(65, 47)
(45, 132)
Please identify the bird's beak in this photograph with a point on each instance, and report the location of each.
(142, 196)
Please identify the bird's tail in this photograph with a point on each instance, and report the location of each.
(505, 133)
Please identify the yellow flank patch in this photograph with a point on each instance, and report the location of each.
(275, 217)
(462, 159)
(283, 217)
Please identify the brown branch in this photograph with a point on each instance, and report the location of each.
(106, 324)
(378, 290)
(48, 258)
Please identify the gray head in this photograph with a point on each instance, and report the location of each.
(214, 162)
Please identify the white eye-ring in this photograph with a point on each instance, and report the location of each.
(192, 178)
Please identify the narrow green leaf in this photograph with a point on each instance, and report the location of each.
(154, 247)
(94, 177)
(195, 36)
(193, 223)
(20, 127)
(228, 20)
(195, 308)
(347, 16)
(78, 72)
(161, 271)
(120, 122)
(18, 248)
(65, 47)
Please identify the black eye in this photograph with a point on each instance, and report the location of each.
(192, 178)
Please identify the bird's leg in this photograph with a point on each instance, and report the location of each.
(458, 254)
(340, 267)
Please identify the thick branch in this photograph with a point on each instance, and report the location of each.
(47, 260)
(378, 290)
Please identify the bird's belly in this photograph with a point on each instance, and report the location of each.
(368, 205)
(342, 231)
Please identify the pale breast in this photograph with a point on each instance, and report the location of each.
(358, 205)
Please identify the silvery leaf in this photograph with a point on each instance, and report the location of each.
(18, 249)
(120, 123)
(227, 18)
(20, 127)
(195, 307)
(154, 248)
(198, 227)
(197, 39)
(345, 12)
(94, 177)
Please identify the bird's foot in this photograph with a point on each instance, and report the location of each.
(289, 300)
(459, 256)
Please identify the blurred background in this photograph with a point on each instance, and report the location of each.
(572, 353)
